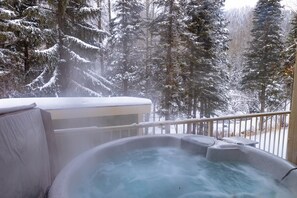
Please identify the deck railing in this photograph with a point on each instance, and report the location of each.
(269, 130)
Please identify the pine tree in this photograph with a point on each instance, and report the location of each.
(24, 36)
(262, 59)
(78, 49)
(149, 11)
(290, 53)
(125, 58)
(167, 56)
(220, 36)
(101, 37)
(204, 70)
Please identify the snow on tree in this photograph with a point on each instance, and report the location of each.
(24, 31)
(100, 25)
(149, 90)
(290, 53)
(204, 69)
(78, 49)
(220, 36)
(261, 78)
(166, 56)
(240, 25)
(126, 56)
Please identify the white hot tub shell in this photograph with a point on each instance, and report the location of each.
(212, 149)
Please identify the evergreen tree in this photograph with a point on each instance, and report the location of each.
(204, 70)
(78, 49)
(220, 36)
(126, 57)
(167, 56)
(149, 16)
(262, 59)
(24, 37)
(290, 53)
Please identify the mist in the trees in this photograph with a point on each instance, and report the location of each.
(191, 58)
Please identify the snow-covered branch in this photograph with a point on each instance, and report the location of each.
(82, 44)
(85, 89)
(77, 58)
(50, 52)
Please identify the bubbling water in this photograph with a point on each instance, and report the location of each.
(172, 172)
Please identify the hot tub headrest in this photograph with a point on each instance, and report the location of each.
(24, 157)
(16, 108)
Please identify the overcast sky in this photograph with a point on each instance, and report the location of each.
(291, 4)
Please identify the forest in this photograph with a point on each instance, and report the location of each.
(192, 58)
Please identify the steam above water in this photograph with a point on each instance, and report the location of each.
(171, 172)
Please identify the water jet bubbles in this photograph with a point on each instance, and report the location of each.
(172, 172)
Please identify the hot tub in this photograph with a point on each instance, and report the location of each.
(220, 154)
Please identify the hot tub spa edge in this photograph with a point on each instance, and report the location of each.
(213, 150)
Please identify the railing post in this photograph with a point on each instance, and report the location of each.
(167, 128)
(189, 128)
(292, 136)
(210, 128)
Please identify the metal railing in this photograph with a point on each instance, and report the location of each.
(269, 130)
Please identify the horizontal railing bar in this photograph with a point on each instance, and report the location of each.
(188, 121)
(170, 122)
(131, 126)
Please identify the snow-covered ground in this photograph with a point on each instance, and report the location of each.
(274, 142)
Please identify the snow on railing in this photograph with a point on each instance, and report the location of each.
(269, 130)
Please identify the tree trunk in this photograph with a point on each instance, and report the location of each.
(262, 98)
(202, 114)
(26, 58)
(169, 64)
(189, 110)
(190, 96)
(195, 104)
(125, 58)
(102, 68)
(207, 110)
(147, 52)
(191, 91)
(63, 70)
(201, 108)
(262, 105)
